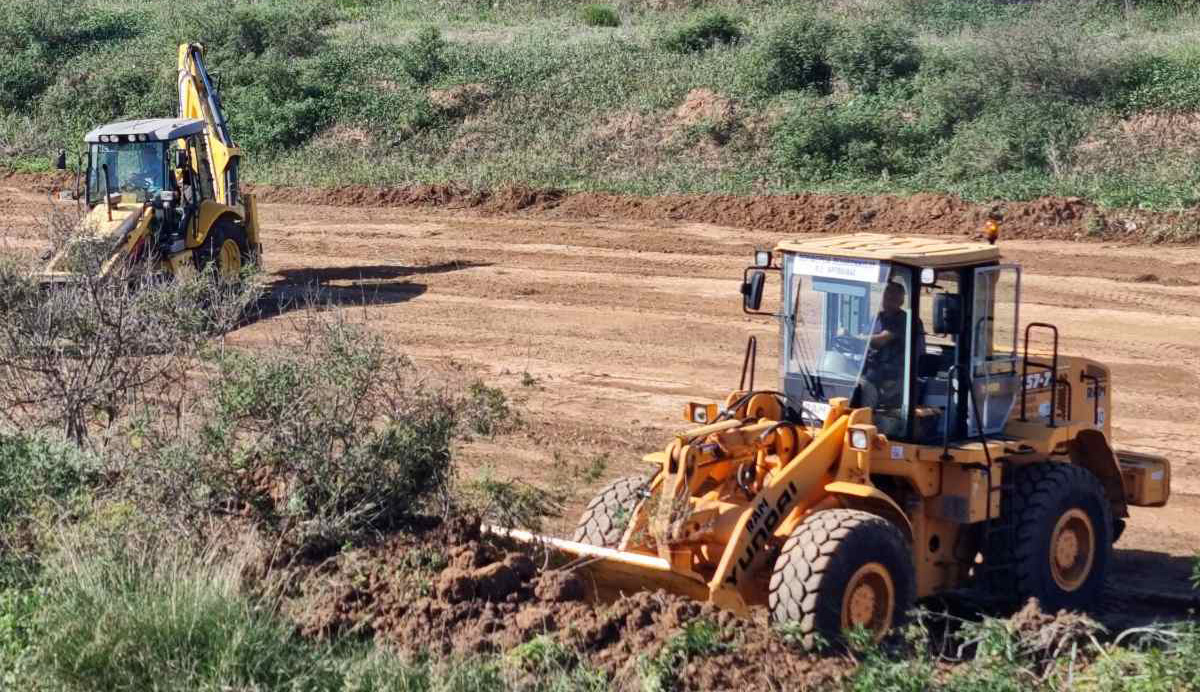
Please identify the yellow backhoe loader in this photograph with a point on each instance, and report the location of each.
(163, 192)
(914, 445)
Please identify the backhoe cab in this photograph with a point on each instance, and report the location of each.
(913, 446)
(163, 192)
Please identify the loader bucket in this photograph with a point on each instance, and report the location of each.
(609, 573)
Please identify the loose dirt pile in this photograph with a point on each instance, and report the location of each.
(936, 214)
(486, 599)
(1048, 217)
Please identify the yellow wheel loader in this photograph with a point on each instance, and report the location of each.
(163, 192)
(914, 445)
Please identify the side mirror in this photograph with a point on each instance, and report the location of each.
(947, 313)
(181, 158)
(60, 161)
(752, 291)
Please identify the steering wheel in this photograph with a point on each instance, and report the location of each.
(848, 346)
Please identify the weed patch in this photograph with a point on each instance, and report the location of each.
(703, 32)
(600, 16)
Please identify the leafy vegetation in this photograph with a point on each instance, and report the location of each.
(981, 98)
(703, 32)
(600, 15)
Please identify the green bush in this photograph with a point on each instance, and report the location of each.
(423, 58)
(105, 89)
(953, 88)
(274, 103)
(291, 29)
(61, 29)
(1021, 135)
(795, 55)
(818, 141)
(24, 75)
(600, 15)
(703, 32)
(35, 470)
(872, 54)
(947, 16)
(1051, 53)
(1160, 83)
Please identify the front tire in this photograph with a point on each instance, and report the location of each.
(842, 569)
(604, 521)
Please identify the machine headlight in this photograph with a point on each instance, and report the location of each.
(700, 414)
(859, 439)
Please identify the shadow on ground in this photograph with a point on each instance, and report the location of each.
(366, 285)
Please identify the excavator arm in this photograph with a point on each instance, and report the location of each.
(198, 99)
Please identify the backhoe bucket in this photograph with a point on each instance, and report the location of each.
(609, 573)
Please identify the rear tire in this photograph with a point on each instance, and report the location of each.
(604, 521)
(840, 569)
(1063, 531)
(226, 249)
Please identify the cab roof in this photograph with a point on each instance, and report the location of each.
(155, 129)
(919, 252)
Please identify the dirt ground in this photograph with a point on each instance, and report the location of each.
(603, 320)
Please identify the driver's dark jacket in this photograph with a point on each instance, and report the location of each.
(886, 362)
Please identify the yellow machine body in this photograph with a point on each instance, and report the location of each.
(722, 498)
(119, 228)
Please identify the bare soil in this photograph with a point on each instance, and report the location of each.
(603, 315)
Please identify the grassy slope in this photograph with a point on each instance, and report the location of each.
(1010, 101)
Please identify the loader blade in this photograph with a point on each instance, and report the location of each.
(608, 573)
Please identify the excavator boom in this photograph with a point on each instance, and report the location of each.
(198, 98)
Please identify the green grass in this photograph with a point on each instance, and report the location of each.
(979, 98)
(103, 617)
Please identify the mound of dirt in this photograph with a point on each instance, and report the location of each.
(37, 182)
(462, 99)
(489, 600)
(1069, 218)
(503, 200)
(703, 108)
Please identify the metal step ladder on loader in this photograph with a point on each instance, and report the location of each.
(162, 193)
(892, 463)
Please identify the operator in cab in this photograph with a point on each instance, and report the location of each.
(884, 370)
(148, 175)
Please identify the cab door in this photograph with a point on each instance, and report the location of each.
(995, 379)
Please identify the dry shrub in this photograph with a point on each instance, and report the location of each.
(1116, 144)
(323, 438)
(1050, 53)
(77, 356)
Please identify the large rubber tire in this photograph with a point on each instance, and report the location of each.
(1063, 531)
(225, 238)
(604, 521)
(839, 569)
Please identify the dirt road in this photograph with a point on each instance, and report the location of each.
(603, 328)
